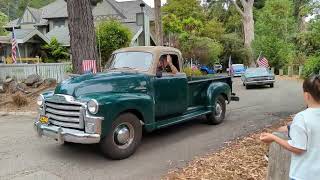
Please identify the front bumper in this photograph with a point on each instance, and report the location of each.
(66, 134)
(264, 82)
(237, 74)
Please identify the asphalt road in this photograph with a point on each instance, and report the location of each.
(24, 156)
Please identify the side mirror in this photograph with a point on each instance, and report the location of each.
(159, 74)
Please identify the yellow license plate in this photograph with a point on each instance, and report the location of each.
(44, 119)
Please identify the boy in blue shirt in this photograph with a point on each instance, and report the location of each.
(305, 135)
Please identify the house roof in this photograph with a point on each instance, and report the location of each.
(23, 35)
(126, 10)
(13, 23)
(132, 7)
(56, 9)
(61, 34)
(4, 40)
(36, 13)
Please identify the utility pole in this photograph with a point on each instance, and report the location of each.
(158, 23)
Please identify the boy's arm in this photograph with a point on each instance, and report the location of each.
(286, 145)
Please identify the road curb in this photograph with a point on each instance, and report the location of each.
(17, 113)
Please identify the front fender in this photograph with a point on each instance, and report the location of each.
(215, 89)
(111, 105)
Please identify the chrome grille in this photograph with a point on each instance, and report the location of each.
(64, 114)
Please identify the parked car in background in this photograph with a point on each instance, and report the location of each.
(238, 70)
(258, 76)
(218, 68)
(207, 70)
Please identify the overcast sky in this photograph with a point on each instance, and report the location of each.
(149, 2)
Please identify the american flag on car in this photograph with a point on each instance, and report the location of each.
(263, 62)
(89, 66)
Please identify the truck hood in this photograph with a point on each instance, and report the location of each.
(107, 82)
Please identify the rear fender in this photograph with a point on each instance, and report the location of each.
(215, 89)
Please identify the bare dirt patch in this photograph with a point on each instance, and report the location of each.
(21, 102)
(243, 158)
(295, 77)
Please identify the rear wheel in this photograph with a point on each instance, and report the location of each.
(247, 86)
(218, 115)
(123, 138)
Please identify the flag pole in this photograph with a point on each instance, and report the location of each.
(18, 52)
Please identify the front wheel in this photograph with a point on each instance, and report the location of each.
(218, 115)
(123, 138)
(271, 85)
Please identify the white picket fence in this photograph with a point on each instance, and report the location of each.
(47, 70)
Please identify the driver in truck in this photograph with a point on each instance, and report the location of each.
(166, 65)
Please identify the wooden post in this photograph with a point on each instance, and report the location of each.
(281, 72)
(272, 70)
(300, 71)
(279, 160)
(290, 71)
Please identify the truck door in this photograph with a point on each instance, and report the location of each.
(170, 93)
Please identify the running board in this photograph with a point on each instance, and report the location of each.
(178, 119)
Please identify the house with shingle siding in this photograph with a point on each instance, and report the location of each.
(38, 26)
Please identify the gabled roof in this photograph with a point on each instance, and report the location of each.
(23, 35)
(61, 34)
(5, 40)
(36, 13)
(126, 10)
(56, 9)
(132, 7)
(13, 23)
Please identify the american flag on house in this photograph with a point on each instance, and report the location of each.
(14, 47)
(89, 66)
(262, 62)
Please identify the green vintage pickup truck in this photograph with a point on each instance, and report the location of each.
(113, 108)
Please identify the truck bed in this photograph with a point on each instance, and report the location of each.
(197, 87)
(201, 79)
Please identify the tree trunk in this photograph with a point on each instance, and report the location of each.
(248, 29)
(82, 33)
(158, 23)
(248, 26)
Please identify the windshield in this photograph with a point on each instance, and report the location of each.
(133, 60)
(257, 71)
(238, 66)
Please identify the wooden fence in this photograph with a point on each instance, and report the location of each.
(22, 71)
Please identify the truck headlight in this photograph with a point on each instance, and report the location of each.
(40, 100)
(93, 106)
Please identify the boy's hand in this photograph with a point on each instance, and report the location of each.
(267, 137)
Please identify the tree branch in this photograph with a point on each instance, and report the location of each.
(237, 7)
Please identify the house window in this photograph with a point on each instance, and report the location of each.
(58, 23)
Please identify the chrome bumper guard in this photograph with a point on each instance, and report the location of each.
(259, 82)
(65, 134)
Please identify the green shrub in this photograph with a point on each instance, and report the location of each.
(192, 72)
(311, 66)
(55, 51)
(112, 35)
